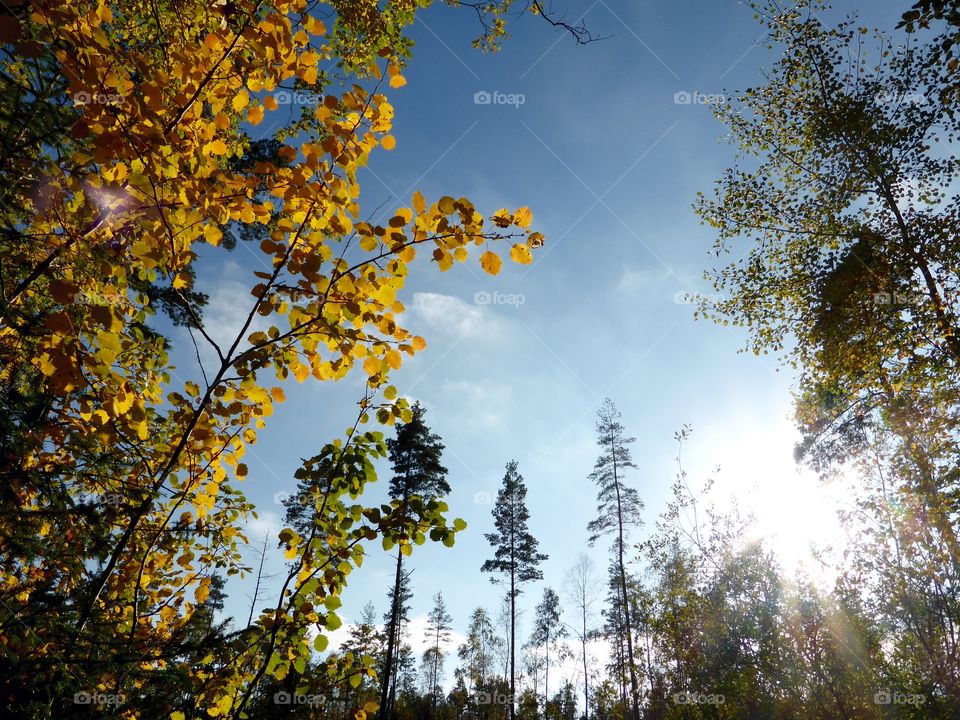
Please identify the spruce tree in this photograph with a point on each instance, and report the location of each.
(516, 557)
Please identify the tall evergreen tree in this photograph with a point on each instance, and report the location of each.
(618, 509)
(417, 471)
(516, 557)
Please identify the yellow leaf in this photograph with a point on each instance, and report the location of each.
(502, 218)
(300, 371)
(419, 204)
(490, 262)
(217, 147)
(177, 715)
(255, 115)
(212, 234)
(270, 102)
(389, 142)
(371, 365)
(398, 81)
(522, 217)
(394, 360)
(418, 343)
(314, 26)
(240, 100)
(520, 253)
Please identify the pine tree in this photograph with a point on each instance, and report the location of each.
(618, 509)
(516, 556)
(417, 471)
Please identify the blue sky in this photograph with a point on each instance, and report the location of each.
(609, 162)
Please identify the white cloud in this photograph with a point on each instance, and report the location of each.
(267, 523)
(487, 399)
(634, 280)
(449, 314)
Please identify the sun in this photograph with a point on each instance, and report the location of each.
(795, 514)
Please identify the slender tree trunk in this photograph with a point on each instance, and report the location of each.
(513, 642)
(626, 598)
(256, 589)
(389, 662)
(546, 675)
(586, 679)
(436, 663)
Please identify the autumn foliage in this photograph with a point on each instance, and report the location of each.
(138, 133)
